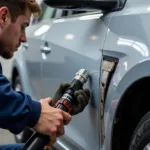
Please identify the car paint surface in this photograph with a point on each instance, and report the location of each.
(127, 40)
(81, 41)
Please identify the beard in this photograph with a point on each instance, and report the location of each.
(7, 44)
(5, 52)
(7, 55)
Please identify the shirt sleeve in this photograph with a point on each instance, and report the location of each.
(17, 110)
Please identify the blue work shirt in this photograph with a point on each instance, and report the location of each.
(17, 110)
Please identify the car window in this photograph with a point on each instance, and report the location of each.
(73, 12)
(65, 13)
(47, 13)
(78, 12)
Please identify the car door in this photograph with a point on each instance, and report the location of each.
(32, 53)
(33, 59)
(76, 42)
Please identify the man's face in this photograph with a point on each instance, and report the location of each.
(12, 33)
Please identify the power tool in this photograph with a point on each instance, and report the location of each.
(37, 141)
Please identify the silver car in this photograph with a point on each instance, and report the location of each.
(110, 39)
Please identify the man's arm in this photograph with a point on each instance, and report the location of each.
(17, 109)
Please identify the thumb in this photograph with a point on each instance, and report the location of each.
(46, 100)
(47, 148)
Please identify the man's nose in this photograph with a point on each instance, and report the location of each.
(23, 38)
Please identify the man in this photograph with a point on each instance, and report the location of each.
(17, 109)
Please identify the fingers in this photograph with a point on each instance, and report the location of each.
(87, 91)
(47, 100)
(64, 86)
(47, 148)
(67, 117)
(81, 105)
(60, 131)
(59, 124)
(52, 139)
(59, 92)
(82, 97)
(82, 93)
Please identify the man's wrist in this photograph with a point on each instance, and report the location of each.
(35, 113)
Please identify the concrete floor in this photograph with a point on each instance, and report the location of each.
(6, 137)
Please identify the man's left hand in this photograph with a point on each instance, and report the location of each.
(81, 97)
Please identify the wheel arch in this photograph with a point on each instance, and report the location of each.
(133, 104)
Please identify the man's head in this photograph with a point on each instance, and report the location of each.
(14, 18)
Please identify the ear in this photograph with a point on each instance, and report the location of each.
(4, 16)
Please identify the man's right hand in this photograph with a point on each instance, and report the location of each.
(51, 120)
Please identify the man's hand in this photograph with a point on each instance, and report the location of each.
(47, 148)
(81, 97)
(51, 120)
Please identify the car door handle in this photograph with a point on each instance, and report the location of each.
(45, 49)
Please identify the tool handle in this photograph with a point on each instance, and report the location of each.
(62, 107)
(64, 104)
(39, 142)
(36, 141)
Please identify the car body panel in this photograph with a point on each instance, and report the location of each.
(33, 59)
(128, 40)
(19, 64)
(79, 42)
(73, 48)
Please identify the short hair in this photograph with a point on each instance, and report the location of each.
(18, 7)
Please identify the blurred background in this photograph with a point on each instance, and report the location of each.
(5, 136)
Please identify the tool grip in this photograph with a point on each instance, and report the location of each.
(62, 108)
(64, 105)
(39, 142)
